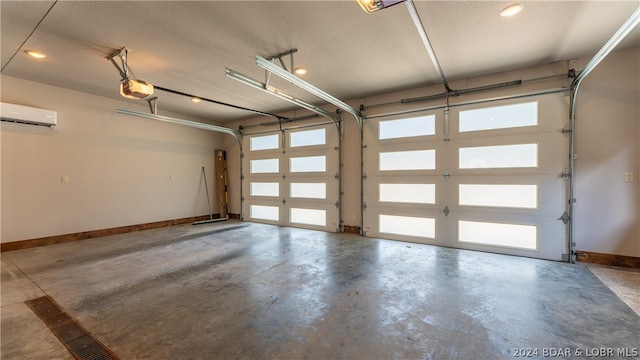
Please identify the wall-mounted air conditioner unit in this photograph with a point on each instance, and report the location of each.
(28, 115)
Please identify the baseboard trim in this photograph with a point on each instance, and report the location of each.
(350, 229)
(608, 259)
(59, 239)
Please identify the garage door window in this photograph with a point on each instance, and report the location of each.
(309, 216)
(499, 117)
(267, 142)
(308, 138)
(263, 212)
(408, 160)
(308, 190)
(308, 164)
(265, 166)
(496, 234)
(408, 193)
(502, 195)
(501, 156)
(417, 126)
(265, 189)
(408, 225)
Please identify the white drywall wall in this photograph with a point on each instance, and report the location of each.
(607, 208)
(122, 170)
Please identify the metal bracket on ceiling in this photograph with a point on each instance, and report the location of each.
(276, 92)
(289, 53)
(124, 70)
(153, 104)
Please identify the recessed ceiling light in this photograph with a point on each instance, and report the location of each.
(511, 10)
(36, 54)
(300, 70)
(196, 99)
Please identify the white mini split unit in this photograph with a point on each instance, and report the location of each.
(28, 115)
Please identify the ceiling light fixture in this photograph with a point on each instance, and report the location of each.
(371, 6)
(511, 10)
(300, 70)
(36, 54)
(196, 99)
(129, 88)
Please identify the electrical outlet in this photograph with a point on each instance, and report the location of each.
(64, 179)
(628, 176)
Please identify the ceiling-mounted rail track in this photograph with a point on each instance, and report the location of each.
(193, 124)
(427, 44)
(278, 93)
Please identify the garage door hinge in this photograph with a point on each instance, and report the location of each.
(565, 218)
(567, 130)
(566, 175)
(241, 177)
(241, 155)
(446, 175)
(364, 176)
(446, 211)
(337, 176)
(337, 204)
(364, 206)
(284, 201)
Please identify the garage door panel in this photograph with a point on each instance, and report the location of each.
(498, 179)
(549, 234)
(307, 187)
(550, 116)
(405, 129)
(414, 226)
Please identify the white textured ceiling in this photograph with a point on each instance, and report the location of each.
(186, 45)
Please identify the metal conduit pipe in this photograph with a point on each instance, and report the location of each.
(624, 30)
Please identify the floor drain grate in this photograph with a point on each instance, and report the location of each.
(76, 339)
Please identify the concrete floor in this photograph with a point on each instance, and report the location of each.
(243, 290)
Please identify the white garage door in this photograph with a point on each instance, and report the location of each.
(290, 178)
(485, 177)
